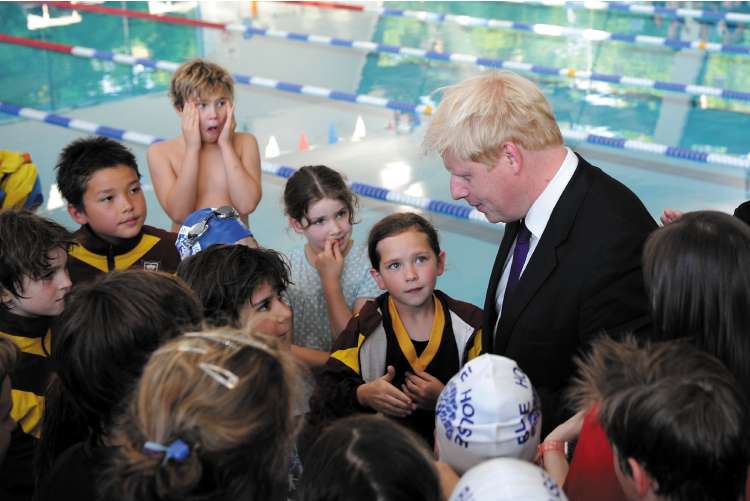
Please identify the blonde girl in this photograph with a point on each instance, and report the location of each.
(210, 419)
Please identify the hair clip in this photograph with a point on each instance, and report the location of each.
(177, 450)
(191, 349)
(231, 340)
(221, 375)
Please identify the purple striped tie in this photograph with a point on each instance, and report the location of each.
(519, 257)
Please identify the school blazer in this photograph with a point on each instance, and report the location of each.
(583, 279)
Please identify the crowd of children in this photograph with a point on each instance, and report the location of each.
(138, 363)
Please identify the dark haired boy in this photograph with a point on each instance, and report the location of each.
(398, 352)
(33, 284)
(234, 283)
(99, 179)
(677, 425)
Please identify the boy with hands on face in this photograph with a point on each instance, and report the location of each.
(209, 165)
(397, 353)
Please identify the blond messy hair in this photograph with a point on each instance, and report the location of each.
(198, 78)
(478, 115)
(239, 432)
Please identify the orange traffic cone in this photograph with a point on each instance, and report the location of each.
(303, 144)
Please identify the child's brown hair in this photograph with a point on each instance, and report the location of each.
(197, 78)
(26, 240)
(398, 223)
(312, 183)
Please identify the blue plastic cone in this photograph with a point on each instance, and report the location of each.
(333, 137)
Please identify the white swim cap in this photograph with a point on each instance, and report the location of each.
(506, 479)
(488, 410)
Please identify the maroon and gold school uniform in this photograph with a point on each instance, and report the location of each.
(376, 338)
(152, 249)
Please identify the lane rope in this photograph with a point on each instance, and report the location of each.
(573, 136)
(620, 7)
(571, 73)
(283, 171)
(540, 29)
(171, 66)
(644, 9)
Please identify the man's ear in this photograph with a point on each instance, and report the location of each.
(512, 156)
(378, 278)
(79, 216)
(441, 263)
(641, 479)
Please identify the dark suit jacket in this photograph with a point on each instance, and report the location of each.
(584, 278)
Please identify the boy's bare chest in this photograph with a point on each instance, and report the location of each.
(211, 172)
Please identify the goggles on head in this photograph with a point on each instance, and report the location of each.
(201, 227)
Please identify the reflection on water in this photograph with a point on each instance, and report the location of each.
(630, 112)
(51, 81)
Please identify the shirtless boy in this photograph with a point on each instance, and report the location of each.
(209, 165)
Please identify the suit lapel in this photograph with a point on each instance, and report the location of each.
(544, 259)
(490, 306)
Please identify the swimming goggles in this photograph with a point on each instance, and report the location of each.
(201, 227)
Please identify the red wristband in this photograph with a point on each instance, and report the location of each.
(552, 445)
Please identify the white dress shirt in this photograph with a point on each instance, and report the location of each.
(536, 220)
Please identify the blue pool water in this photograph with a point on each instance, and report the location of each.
(135, 98)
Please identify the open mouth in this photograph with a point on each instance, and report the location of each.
(212, 128)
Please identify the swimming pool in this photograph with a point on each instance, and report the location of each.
(134, 98)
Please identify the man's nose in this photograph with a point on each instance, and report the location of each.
(458, 190)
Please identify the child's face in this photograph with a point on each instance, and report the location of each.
(43, 296)
(114, 205)
(408, 268)
(7, 424)
(327, 219)
(212, 114)
(270, 313)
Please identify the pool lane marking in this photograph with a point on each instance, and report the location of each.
(575, 136)
(572, 73)
(171, 66)
(619, 7)
(283, 171)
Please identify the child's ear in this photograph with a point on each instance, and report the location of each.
(5, 296)
(79, 216)
(378, 279)
(296, 225)
(642, 481)
(441, 263)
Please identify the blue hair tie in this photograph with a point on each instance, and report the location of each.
(177, 450)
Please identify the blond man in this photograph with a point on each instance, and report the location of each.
(209, 164)
(568, 267)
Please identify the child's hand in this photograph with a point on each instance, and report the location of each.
(670, 216)
(227, 132)
(190, 126)
(385, 398)
(423, 388)
(330, 262)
